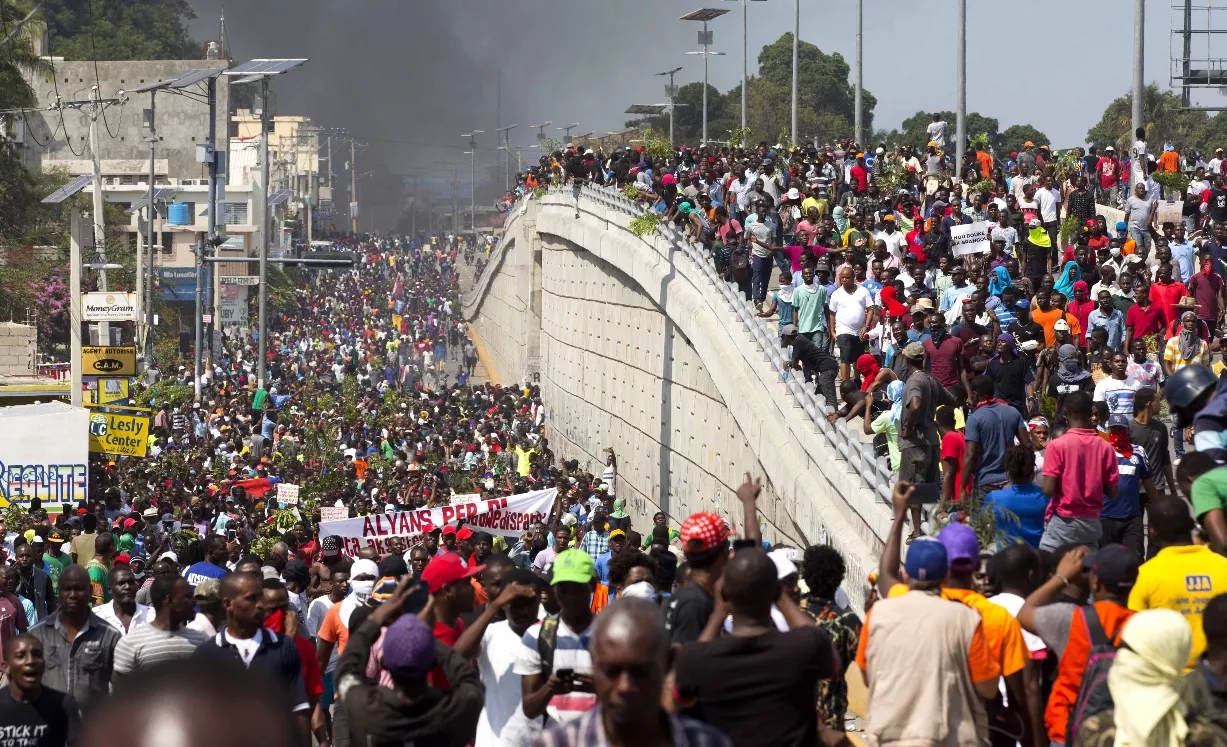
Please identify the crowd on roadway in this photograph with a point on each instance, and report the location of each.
(1064, 585)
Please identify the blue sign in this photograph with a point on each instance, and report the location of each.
(179, 283)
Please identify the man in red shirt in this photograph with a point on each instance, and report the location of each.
(447, 576)
(860, 175)
(1166, 293)
(1108, 169)
(1206, 287)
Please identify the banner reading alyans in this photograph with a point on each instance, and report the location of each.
(509, 517)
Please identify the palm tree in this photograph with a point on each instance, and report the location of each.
(19, 63)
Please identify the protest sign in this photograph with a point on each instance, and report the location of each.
(333, 513)
(1169, 212)
(969, 239)
(287, 494)
(508, 517)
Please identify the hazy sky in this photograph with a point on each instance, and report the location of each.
(424, 71)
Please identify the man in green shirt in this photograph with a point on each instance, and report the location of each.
(99, 569)
(809, 303)
(258, 399)
(55, 558)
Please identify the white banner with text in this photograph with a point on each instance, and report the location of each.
(508, 517)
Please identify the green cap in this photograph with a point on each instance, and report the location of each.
(573, 566)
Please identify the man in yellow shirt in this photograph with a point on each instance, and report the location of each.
(1182, 576)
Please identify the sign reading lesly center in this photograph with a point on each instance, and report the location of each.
(124, 435)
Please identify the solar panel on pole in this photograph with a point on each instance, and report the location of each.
(265, 67)
(280, 197)
(69, 189)
(646, 109)
(182, 80)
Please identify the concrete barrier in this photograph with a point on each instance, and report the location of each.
(637, 344)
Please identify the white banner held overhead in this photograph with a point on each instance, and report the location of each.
(969, 239)
(98, 306)
(508, 517)
(287, 493)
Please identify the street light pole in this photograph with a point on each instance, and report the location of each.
(1139, 72)
(796, 43)
(263, 341)
(671, 91)
(472, 154)
(960, 127)
(705, 39)
(860, 109)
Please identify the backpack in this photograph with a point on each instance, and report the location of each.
(1093, 694)
(547, 643)
(739, 260)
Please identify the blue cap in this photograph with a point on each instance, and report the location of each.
(926, 560)
(1022, 303)
(1120, 226)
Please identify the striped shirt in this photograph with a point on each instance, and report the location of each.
(1172, 355)
(588, 731)
(148, 645)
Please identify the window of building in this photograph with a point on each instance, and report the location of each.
(234, 213)
(168, 242)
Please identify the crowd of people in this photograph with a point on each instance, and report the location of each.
(1053, 401)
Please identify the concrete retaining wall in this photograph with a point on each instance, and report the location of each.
(638, 350)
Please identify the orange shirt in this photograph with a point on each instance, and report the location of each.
(1169, 161)
(986, 163)
(1073, 664)
(332, 630)
(1048, 319)
(979, 658)
(600, 598)
(1001, 630)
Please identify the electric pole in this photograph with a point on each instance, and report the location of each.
(472, 154)
(506, 148)
(353, 186)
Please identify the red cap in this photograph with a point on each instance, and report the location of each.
(449, 530)
(121, 558)
(444, 570)
(703, 532)
(464, 533)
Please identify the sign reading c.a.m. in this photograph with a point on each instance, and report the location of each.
(108, 360)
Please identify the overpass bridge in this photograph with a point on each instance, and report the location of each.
(638, 345)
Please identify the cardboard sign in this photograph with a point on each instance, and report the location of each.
(969, 239)
(287, 494)
(1169, 212)
(333, 513)
(508, 517)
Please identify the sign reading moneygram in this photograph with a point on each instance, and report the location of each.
(103, 306)
(507, 517)
(120, 435)
(105, 360)
(969, 239)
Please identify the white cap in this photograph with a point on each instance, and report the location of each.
(639, 590)
(784, 567)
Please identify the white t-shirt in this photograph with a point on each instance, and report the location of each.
(247, 647)
(1047, 204)
(570, 652)
(315, 618)
(1013, 603)
(202, 624)
(500, 647)
(1117, 394)
(937, 131)
(850, 309)
(896, 242)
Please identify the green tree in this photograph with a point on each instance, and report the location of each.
(1015, 136)
(914, 130)
(823, 86)
(1163, 122)
(19, 63)
(127, 30)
